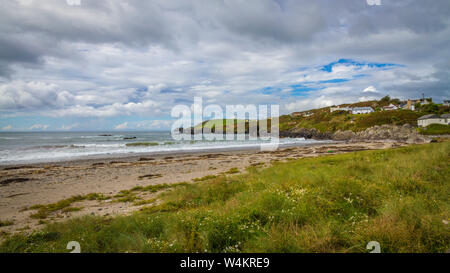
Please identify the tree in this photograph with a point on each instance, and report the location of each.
(430, 108)
(386, 99)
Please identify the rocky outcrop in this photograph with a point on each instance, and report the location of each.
(343, 135)
(305, 133)
(405, 133)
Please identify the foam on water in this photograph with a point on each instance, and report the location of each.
(16, 148)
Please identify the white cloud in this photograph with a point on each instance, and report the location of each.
(109, 64)
(154, 124)
(69, 127)
(306, 104)
(39, 127)
(122, 126)
(145, 125)
(371, 89)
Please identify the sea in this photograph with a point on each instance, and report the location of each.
(39, 147)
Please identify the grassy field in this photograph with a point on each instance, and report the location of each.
(335, 203)
(325, 121)
(435, 129)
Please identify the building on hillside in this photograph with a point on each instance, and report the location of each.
(408, 106)
(302, 114)
(354, 110)
(426, 120)
(346, 109)
(362, 110)
(390, 107)
(446, 103)
(422, 101)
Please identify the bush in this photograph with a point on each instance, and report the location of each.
(435, 129)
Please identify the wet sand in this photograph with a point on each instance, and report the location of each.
(23, 186)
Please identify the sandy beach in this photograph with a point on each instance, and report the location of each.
(24, 186)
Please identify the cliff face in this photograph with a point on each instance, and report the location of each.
(306, 133)
(405, 133)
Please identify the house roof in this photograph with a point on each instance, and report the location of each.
(445, 116)
(362, 108)
(390, 106)
(429, 116)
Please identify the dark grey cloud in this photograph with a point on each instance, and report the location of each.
(106, 57)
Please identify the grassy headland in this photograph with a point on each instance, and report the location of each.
(335, 203)
(326, 122)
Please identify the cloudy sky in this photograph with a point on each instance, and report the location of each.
(123, 65)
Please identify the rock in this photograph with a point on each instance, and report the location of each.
(405, 133)
(343, 135)
(305, 133)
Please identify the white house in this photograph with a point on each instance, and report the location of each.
(426, 120)
(347, 109)
(446, 103)
(390, 107)
(362, 110)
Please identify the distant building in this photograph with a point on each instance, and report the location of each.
(346, 109)
(409, 105)
(426, 120)
(446, 103)
(362, 110)
(302, 114)
(354, 110)
(422, 101)
(390, 107)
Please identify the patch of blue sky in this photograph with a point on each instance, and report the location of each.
(334, 81)
(270, 90)
(301, 90)
(329, 67)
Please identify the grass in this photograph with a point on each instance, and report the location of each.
(144, 202)
(435, 129)
(335, 203)
(6, 223)
(325, 121)
(204, 178)
(232, 171)
(43, 211)
(65, 206)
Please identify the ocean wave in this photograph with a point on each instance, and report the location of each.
(46, 153)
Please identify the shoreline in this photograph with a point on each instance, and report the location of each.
(24, 186)
(157, 154)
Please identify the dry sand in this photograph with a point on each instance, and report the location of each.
(25, 186)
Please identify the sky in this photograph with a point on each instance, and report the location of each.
(123, 65)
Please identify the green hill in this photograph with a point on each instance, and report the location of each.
(325, 121)
(328, 122)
